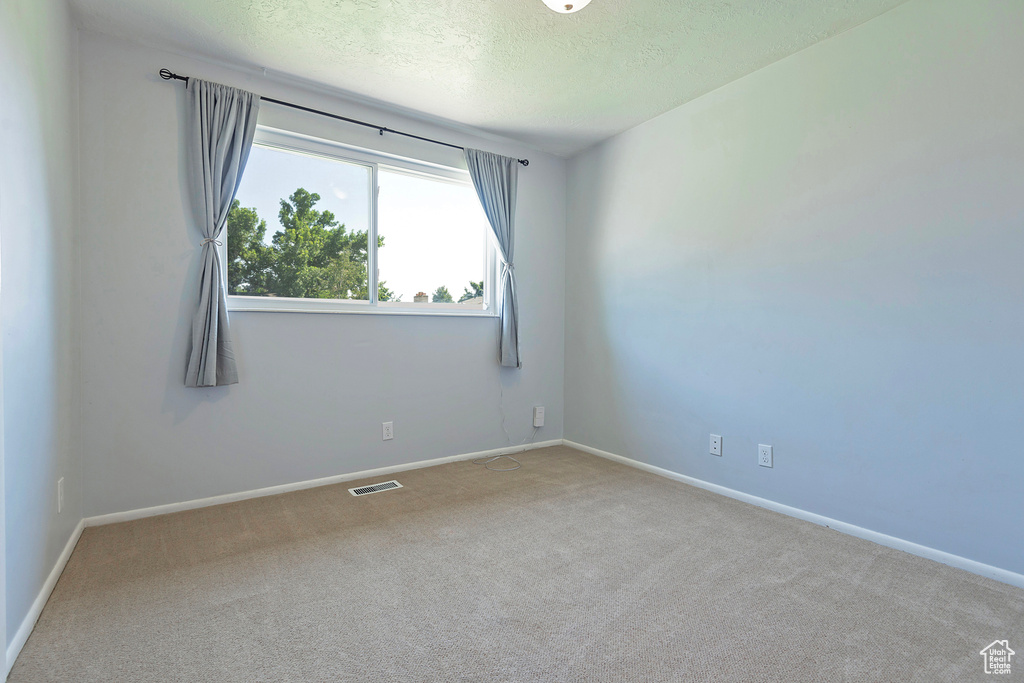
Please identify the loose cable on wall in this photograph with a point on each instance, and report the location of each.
(486, 461)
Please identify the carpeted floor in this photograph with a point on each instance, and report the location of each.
(572, 568)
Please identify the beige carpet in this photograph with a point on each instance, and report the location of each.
(572, 568)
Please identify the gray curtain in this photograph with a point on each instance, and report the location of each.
(221, 125)
(495, 178)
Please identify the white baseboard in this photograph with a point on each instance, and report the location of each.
(29, 622)
(986, 570)
(140, 513)
(18, 642)
(44, 594)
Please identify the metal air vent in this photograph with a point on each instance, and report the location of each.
(375, 488)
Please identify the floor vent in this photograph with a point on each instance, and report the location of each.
(375, 488)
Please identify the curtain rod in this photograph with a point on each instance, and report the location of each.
(168, 75)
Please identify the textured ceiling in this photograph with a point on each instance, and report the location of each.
(513, 67)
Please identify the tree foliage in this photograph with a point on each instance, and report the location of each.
(249, 259)
(474, 290)
(313, 256)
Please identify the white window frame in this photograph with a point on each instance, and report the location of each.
(276, 138)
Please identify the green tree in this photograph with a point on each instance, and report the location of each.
(442, 296)
(250, 261)
(312, 257)
(474, 290)
(316, 257)
(383, 293)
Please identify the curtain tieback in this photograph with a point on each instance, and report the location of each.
(213, 240)
(510, 267)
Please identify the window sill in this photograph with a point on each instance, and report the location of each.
(238, 304)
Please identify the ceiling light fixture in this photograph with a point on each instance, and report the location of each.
(566, 6)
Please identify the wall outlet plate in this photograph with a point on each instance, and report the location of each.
(716, 444)
(764, 455)
(538, 416)
(60, 495)
(389, 430)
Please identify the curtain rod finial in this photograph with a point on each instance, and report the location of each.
(524, 162)
(168, 75)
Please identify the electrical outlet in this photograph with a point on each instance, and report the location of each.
(389, 430)
(716, 444)
(764, 455)
(60, 495)
(538, 416)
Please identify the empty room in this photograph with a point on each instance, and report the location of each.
(513, 340)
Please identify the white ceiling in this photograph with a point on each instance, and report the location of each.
(513, 67)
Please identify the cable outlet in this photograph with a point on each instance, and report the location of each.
(389, 430)
(60, 495)
(716, 444)
(538, 416)
(764, 455)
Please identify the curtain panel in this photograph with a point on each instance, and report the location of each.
(221, 126)
(495, 178)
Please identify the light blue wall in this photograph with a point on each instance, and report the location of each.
(826, 256)
(314, 388)
(38, 187)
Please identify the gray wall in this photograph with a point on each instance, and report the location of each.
(314, 388)
(826, 256)
(38, 178)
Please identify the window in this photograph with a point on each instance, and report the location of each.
(317, 226)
